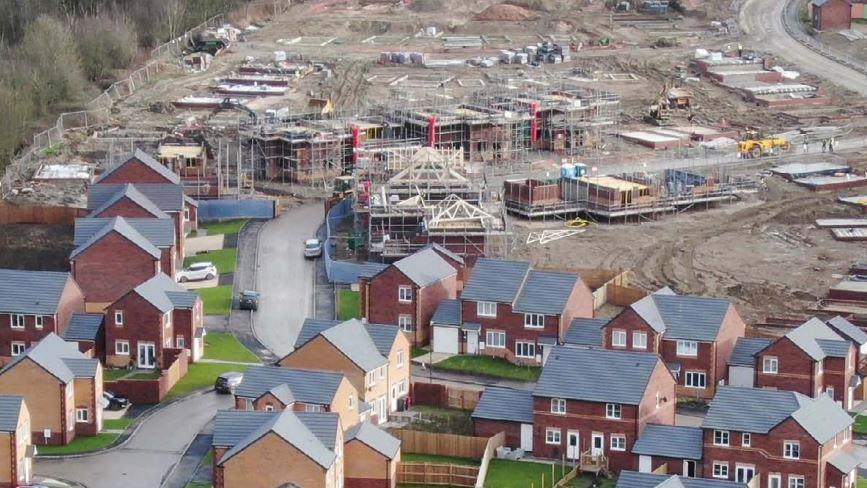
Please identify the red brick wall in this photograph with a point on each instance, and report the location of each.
(490, 428)
(834, 15)
(796, 368)
(631, 322)
(125, 208)
(383, 306)
(29, 335)
(142, 322)
(428, 299)
(134, 171)
(513, 324)
(661, 383)
(704, 361)
(111, 267)
(836, 375)
(580, 304)
(193, 212)
(167, 260)
(366, 483)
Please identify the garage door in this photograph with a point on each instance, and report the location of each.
(445, 340)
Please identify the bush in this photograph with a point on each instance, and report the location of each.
(17, 109)
(53, 63)
(105, 44)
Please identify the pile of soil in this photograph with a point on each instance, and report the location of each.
(504, 12)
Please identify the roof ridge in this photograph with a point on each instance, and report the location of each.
(523, 283)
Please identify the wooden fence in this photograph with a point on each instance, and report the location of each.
(39, 214)
(623, 296)
(491, 447)
(419, 442)
(437, 474)
(443, 396)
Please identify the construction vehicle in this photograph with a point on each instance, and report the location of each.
(667, 100)
(233, 103)
(755, 144)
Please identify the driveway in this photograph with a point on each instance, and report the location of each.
(148, 456)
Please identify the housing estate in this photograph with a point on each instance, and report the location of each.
(159, 232)
(16, 469)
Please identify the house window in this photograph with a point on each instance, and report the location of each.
(770, 365)
(186, 211)
(248, 404)
(534, 320)
(382, 372)
(118, 317)
(38, 321)
(121, 348)
(18, 348)
(16, 321)
(167, 319)
(400, 359)
(312, 408)
(486, 309)
(796, 481)
(269, 408)
(558, 405)
(405, 322)
(179, 342)
(371, 378)
(401, 387)
(618, 338)
(639, 340)
(404, 294)
(687, 348)
(618, 442)
(746, 440)
(552, 436)
(791, 450)
(351, 401)
(696, 379)
(830, 392)
(613, 410)
(775, 480)
(495, 339)
(525, 349)
(82, 415)
(720, 469)
(721, 437)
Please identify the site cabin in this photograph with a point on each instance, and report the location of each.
(16, 469)
(373, 357)
(158, 231)
(34, 304)
(831, 14)
(61, 386)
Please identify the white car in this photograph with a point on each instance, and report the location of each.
(312, 248)
(198, 271)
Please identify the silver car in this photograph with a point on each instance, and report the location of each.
(312, 248)
(198, 271)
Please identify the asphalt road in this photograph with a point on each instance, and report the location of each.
(146, 459)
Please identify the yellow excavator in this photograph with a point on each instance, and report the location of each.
(755, 144)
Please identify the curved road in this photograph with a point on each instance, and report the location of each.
(762, 21)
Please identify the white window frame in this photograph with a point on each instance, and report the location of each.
(400, 358)
(721, 438)
(613, 411)
(82, 419)
(401, 387)
(269, 408)
(119, 350)
(791, 450)
(118, 317)
(404, 294)
(382, 372)
(718, 473)
(639, 344)
(17, 321)
(351, 401)
(167, 319)
(796, 481)
(21, 346)
(38, 321)
(687, 349)
(690, 380)
(534, 321)
(620, 445)
(553, 436)
(770, 364)
(746, 439)
(775, 476)
(500, 335)
(486, 309)
(525, 349)
(371, 377)
(312, 407)
(404, 321)
(558, 405)
(180, 343)
(618, 338)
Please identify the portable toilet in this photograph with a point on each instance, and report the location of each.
(567, 170)
(580, 170)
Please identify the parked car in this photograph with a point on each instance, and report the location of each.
(228, 381)
(312, 248)
(249, 300)
(115, 401)
(198, 271)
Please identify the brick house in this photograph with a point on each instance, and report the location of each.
(17, 466)
(694, 335)
(505, 410)
(138, 167)
(371, 456)
(113, 261)
(272, 388)
(159, 232)
(88, 331)
(851, 332)
(62, 388)
(671, 449)
(781, 438)
(34, 304)
(742, 363)
(831, 14)
(373, 357)
(155, 316)
(408, 291)
(512, 311)
(633, 479)
(812, 359)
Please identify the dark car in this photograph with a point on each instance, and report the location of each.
(249, 300)
(115, 401)
(228, 381)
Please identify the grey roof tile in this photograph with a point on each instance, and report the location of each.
(446, 252)
(352, 339)
(322, 424)
(148, 161)
(586, 332)
(425, 267)
(307, 385)
(691, 318)
(834, 348)
(312, 328)
(232, 426)
(848, 330)
(495, 280)
(807, 336)
(167, 197)
(376, 438)
(10, 412)
(160, 232)
(383, 336)
(82, 367)
(283, 393)
(163, 293)
(596, 375)
(448, 312)
(84, 327)
(133, 194)
(546, 292)
(669, 441)
(844, 462)
(119, 225)
(633, 479)
(646, 309)
(471, 326)
(364, 270)
(746, 348)
(499, 403)
(31, 292)
(60, 358)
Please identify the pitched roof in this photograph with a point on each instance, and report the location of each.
(383, 336)
(690, 317)
(446, 252)
(495, 280)
(633, 479)
(160, 232)
(586, 332)
(499, 403)
(148, 161)
(546, 292)
(448, 312)
(60, 358)
(760, 410)
(133, 194)
(163, 293)
(425, 267)
(848, 330)
(83, 327)
(596, 375)
(31, 292)
(119, 225)
(376, 438)
(307, 385)
(10, 412)
(746, 348)
(669, 441)
(844, 462)
(323, 425)
(351, 338)
(814, 338)
(166, 196)
(367, 270)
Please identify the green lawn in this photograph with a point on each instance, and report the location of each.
(201, 376)
(223, 259)
(862, 483)
(489, 366)
(410, 457)
(218, 300)
(223, 227)
(114, 374)
(117, 424)
(503, 473)
(418, 351)
(127, 374)
(145, 375)
(197, 484)
(224, 345)
(860, 426)
(348, 306)
(80, 444)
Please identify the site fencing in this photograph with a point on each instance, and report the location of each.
(237, 209)
(341, 272)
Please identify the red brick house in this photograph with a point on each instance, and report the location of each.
(831, 14)
(138, 167)
(694, 335)
(152, 317)
(159, 232)
(509, 310)
(781, 438)
(407, 293)
(851, 332)
(113, 261)
(34, 304)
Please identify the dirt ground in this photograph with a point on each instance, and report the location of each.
(35, 247)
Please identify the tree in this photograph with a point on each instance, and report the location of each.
(49, 53)
(105, 44)
(17, 110)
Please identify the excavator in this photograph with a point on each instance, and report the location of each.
(755, 144)
(233, 103)
(668, 99)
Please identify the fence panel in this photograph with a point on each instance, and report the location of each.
(237, 209)
(39, 214)
(435, 444)
(437, 474)
(491, 447)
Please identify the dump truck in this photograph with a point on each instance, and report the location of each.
(755, 144)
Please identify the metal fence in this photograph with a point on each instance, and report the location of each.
(342, 272)
(236, 209)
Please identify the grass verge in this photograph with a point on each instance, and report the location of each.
(117, 424)
(201, 376)
(223, 227)
(224, 346)
(411, 457)
(418, 351)
(218, 300)
(80, 444)
(489, 366)
(223, 259)
(348, 305)
(114, 374)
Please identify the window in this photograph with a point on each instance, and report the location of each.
(121, 348)
(167, 319)
(248, 404)
(720, 470)
(495, 339)
(775, 480)
(351, 401)
(186, 210)
(558, 405)
(401, 387)
(618, 442)
(118, 317)
(18, 348)
(38, 321)
(687, 348)
(534, 320)
(400, 359)
(696, 379)
(269, 408)
(371, 378)
(486, 309)
(618, 338)
(404, 294)
(612, 410)
(179, 342)
(552, 436)
(721, 437)
(405, 322)
(746, 440)
(791, 450)
(312, 408)
(770, 365)
(796, 481)
(382, 372)
(82, 415)
(525, 349)
(639, 340)
(830, 391)
(16, 321)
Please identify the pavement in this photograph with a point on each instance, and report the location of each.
(186, 469)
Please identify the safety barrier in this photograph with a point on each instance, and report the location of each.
(237, 209)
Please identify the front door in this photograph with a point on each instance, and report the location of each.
(689, 469)
(394, 398)
(146, 355)
(598, 444)
(527, 437)
(383, 410)
(743, 474)
(472, 342)
(645, 464)
(573, 446)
